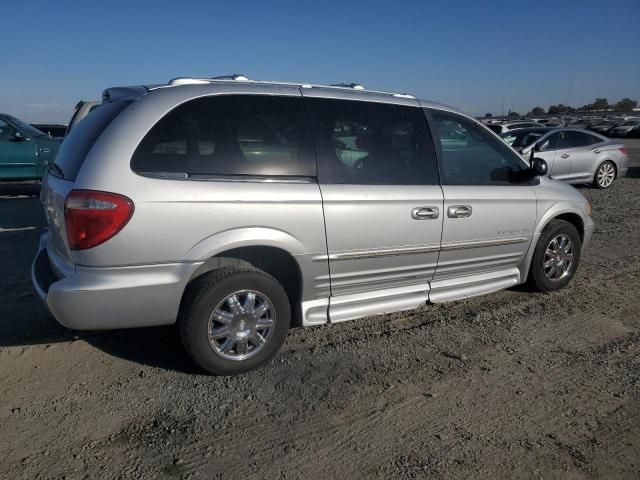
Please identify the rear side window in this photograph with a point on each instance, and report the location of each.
(5, 131)
(367, 143)
(79, 141)
(471, 155)
(250, 135)
(551, 142)
(571, 139)
(591, 139)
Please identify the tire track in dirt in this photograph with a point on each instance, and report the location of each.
(330, 442)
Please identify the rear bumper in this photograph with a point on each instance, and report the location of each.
(110, 297)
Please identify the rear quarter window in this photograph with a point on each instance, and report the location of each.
(78, 142)
(251, 135)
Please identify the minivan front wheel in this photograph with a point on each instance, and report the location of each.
(556, 257)
(234, 319)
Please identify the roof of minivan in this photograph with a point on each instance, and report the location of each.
(353, 91)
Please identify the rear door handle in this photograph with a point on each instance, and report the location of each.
(565, 155)
(459, 211)
(425, 213)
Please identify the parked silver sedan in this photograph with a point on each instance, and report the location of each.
(579, 156)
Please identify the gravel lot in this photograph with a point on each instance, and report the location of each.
(509, 385)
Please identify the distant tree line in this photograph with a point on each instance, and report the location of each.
(600, 104)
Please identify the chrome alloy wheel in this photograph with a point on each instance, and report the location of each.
(241, 325)
(606, 174)
(558, 258)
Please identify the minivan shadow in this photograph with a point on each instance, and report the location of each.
(520, 288)
(154, 346)
(158, 347)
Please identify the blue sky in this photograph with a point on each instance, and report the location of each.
(469, 54)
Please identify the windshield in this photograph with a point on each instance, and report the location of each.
(631, 123)
(25, 127)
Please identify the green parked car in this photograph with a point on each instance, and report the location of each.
(24, 150)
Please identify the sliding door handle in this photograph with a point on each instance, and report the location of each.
(459, 211)
(425, 213)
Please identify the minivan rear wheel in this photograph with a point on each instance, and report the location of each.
(234, 320)
(556, 257)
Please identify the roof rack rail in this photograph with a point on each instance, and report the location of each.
(199, 81)
(238, 77)
(188, 81)
(234, 76)
(354, 86)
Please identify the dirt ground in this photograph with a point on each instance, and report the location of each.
(509, 385)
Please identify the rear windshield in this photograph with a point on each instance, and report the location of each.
(78, 143)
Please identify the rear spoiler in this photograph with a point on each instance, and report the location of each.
(130, 93)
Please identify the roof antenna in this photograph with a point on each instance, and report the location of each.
(570, 90)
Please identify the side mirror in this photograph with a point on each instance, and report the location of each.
(18, 137)
(539, 167)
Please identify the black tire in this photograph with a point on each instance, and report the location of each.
(202, 297)
(538, 280)
(596, 183)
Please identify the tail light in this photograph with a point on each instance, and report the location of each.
(93, 217)
(623, 150)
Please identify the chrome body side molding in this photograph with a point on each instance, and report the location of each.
(384, 252)
(387, 252)
(483, 243)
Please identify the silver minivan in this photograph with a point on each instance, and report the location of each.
(239, 208)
